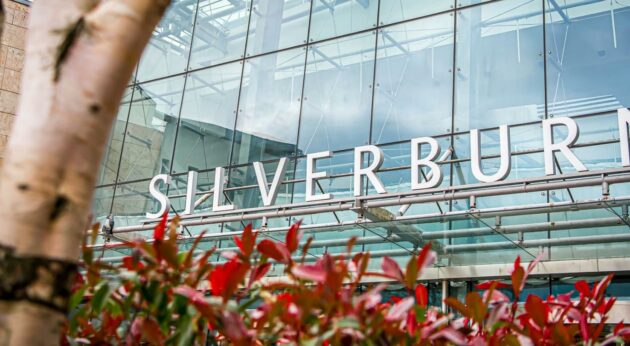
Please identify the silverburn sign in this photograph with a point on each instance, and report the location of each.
(269, 192)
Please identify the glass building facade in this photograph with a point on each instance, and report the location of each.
(225, 83)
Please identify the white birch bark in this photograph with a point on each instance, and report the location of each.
(80, 55)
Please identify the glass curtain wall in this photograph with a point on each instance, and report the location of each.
(224, 83)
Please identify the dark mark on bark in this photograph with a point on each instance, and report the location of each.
(60, 205)
(71, 36)
(95, 108)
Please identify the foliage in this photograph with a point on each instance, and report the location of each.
(165, 297)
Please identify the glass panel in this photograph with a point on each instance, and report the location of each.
(332, 18)
(102, 203)
(338, 94)
(167, 52)
(151, 129)
(131, 203)
(248, 194)
(397, 10)
(109, 165)
(414, 80)
(277, 24)
(589, 56)
(269, 109)
(499, 64)
(205, 134)
(597, 233)
(220, 32)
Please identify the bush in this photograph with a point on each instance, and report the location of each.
(162, 296)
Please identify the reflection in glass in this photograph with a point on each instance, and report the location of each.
(332, 18)
(205, 134)
(151, 129)
(338, 94)
(102, 203)
(269, 109)
(244, 176)
(131, 203)
(499, 64)
(277, 24)
(109, 164)
(167, 52)
(220, 32)
(414, 80)
(393, 11)
(588, 66)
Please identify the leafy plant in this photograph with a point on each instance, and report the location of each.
(162, 296)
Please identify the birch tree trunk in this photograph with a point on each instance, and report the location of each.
(80, 55)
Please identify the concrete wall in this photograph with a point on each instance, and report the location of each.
(11, 62)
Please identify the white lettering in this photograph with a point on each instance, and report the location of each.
(550, 147)
(269, 194)
(191, 191)
(475, 156)
(219, 181)
(312, 176)
(359, 171)
(435, 176)
(165, 204)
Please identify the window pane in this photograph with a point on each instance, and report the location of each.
(167, 52)
(414, 80)
(589, 56)
(220, 32)
(277, 24)
(102, 203)
(131, 203)
(109, 164)
(205, 134)
(339, 17)
(151, 129)
(396, 10)
(338, 94)
(500, 72)
(269, 109)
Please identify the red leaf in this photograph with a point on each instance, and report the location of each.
(197, 299)
(391, 269)
(258, 273)
(582, 287)
(517, 280)
(537, 310)
(422, 295)
(426, 258)
(315, 272)
(584, 328)
(517, 262)
(487, 284)
(135, 331)
(151, 331)
(224, 279)
(234, 328)
(277, 251)
(600, 287)
(399, 311)
(293, 237)
(247, 240)
(158, 232)
(451, 335)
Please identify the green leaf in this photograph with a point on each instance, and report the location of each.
(476, 307)
(348, 322)
(411, 274)
(100, 298)
(76, 298)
